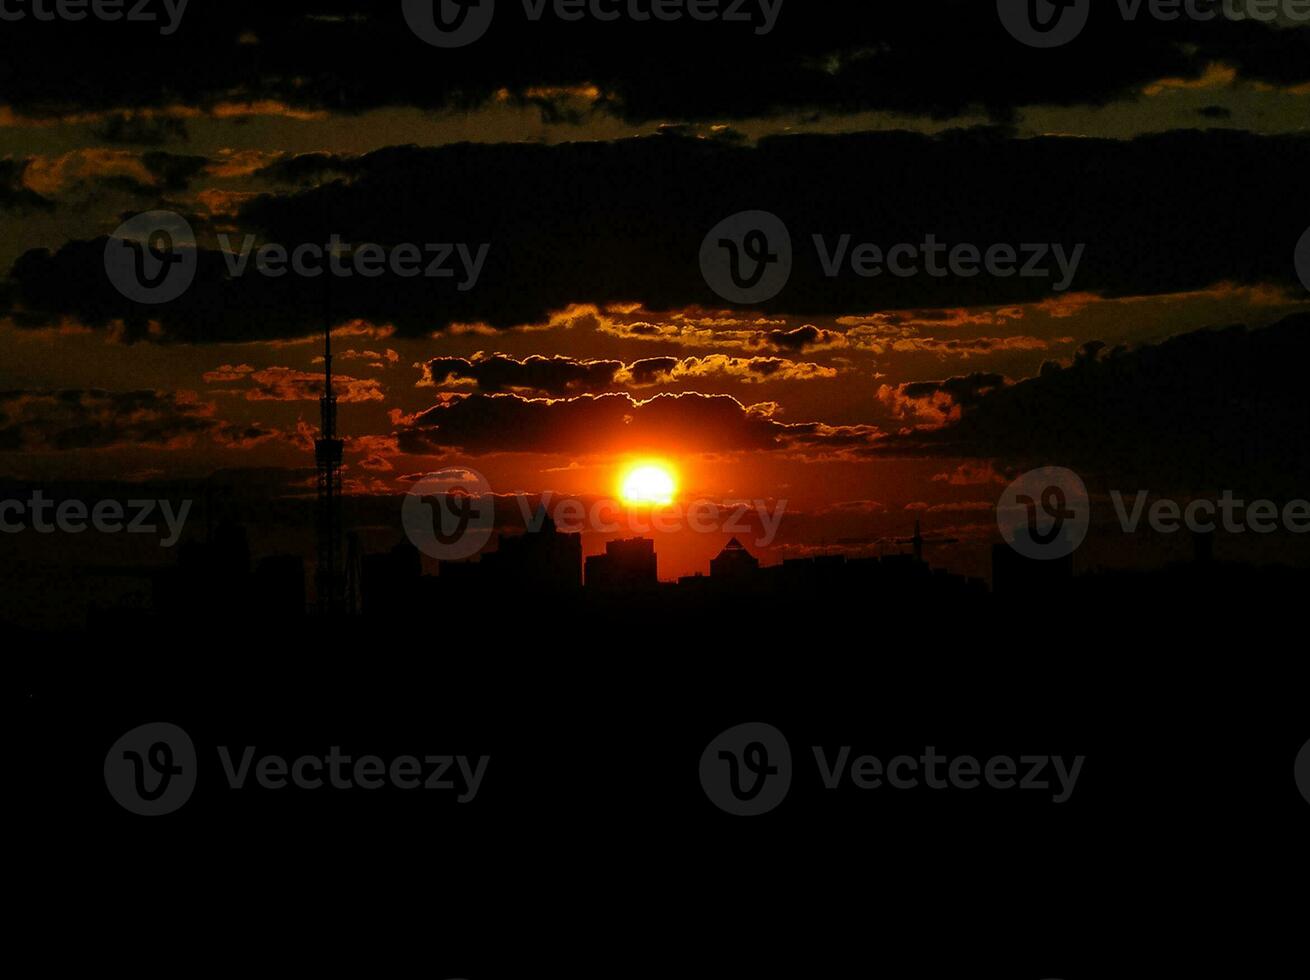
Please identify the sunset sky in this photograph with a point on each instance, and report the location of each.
(593, 159)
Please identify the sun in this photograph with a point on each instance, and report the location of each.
(649, 483)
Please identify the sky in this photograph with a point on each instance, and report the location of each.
(588, 162)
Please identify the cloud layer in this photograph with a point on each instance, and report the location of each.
(622, 222)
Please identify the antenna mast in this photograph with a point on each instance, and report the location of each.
(327, 457)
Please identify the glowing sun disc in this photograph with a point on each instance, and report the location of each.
(648, 485)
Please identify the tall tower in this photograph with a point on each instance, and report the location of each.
(327, 457)
(917, 541)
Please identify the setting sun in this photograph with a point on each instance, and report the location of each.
(648, 484)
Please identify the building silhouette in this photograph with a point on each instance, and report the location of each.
(629, 565)
(215, 578)
(736, 573)
(390, 580)
(1015, 574)
(547, 558)
(210, 575)
(542, 560)
(279, 586)
(734, 563)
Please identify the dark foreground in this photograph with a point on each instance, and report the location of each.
(591, 832)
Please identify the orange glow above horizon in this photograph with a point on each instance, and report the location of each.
(651, 484)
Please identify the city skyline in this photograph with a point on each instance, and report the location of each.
(553, 271)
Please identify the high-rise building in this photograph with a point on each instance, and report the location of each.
(627, 566)
(544, 558)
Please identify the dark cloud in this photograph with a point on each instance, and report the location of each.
(587, 424)
(801, 338)
(937, 401)
(652, 370)
(137, 130)
(560, 375)
(171, 171)
(307, 169)
(285, 384)
(557, 375)
(1205, 411)
(14, 196)
(826, 55)
(45, 420)
(596, 424)
(623, 222)
(168, 173)
(82, 175)
(247, 436)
